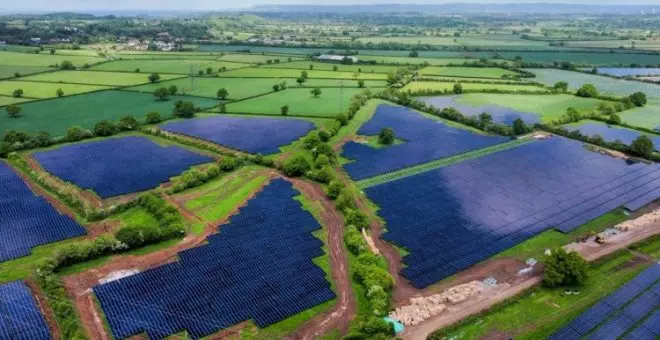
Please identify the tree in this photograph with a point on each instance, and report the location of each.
(311, 67)
(66, 65)
(323, 135)
(614, 119)
(519, 127)
(304, 75)
(347, 60)
(316, 92)
(222, 93)
(458, 88)
(296, 166)
(13, 137)
(572, 114)
(76, 133)
(413, 54)
(18, 93)
(587, 91)
(300, 81)
(642, 146)
(276, 87)
(335, 68)
(638, 98)
(14, 111)
(162, 93)
(561, 86)
(361, 83)
(104, 128)
(172, 90)
(128, 123)
(386, 136)
(284, 110)
(564, 268)
(59, 92)
(52, 51)
(209, 70)
(154, 77)
(334, 189)
(485, 119)
(43, 138)
(185, 109)
(153, 118)
(321, 161)
(282, 85)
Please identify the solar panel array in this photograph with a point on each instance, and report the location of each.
(118, 166)
(456, 216)
(499, 114)
(258, 266)
(21, 318)
(427, 139)
(612, 133)
(631, 309)
(27, 220)
(253, 135)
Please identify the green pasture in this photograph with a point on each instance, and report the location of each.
(468, 72)
(240, 88)
(55, 116)
(178, 66)
(256, 58)
(265, 72)
(363, 68)
(96, 78)
(33, 89)
(449, 86)
(521, 81)
(330, 103)
(9, 71)
(43, 59)
(647, 116)
(421, 60)
(548, 106)
(584, 58)
(4, 100)
(605, 85)
(165, 56)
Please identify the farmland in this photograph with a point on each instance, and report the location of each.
(306, 65)
(31, 59)
(448, 86)
(478, 72)
(255, 58)
(9, 71)
(45, 90)
(95, 78)
(421, 60)
(294, 73)
(176, 66)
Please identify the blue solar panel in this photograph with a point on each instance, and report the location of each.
(613, 328)
(591, 318)
(28, 220)
(611, 133)
(641, 306)
(466, 212)
(652, 323)
(426, 139)
(20, 316)
(640, 333)
(565, 333)
(118, 166)
(258, 266)
(253, 135)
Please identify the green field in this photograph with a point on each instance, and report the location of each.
(33, 89)
(263, 72)
(55, 116)
(300, 101)
(606, 85)
(165, 56)
(4, 100)
(421, 60)
(590, 58)
(646, 116)
(240, 88)
(8, 71)
(468, 72)
(178, 66)
(442, 86)
(548, 106)
(44, 60)
(256, 58)
(499, 40)
(364, 68)
(96, 78)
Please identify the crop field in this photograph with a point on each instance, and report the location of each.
(505, 108)
(606, 85)
(363, 68)
(426, 139)
(449, 86)
(118, 166)
(175, 66)
(644, 116)
(611, 133)
(522, 192)
(11, 100)
(96, 78)
(256, 58)
(233, 270)
(29, 220)
(240, 88)
(33, 89)
(9, 71)
(301, 102)
(262, 72)
(55, 116)
(250, 134)
(631, 310)
(602, 58)
(43, 60)
(467, 72)
(22, 317)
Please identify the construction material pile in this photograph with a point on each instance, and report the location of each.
(424, 308)
(640, 222)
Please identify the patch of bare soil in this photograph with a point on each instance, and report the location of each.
(45, 309)
(592, 250)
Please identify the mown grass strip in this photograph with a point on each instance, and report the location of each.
(424, 167)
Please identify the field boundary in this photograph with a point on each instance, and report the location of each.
(440, 163)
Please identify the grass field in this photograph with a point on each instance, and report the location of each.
(44, 90)
(256, 58)
(44, 60)
(4, 100)
(470, 72)
(164, 56)
(240, 88)
(364, 68)
(178, 66)
(606, 85)
(96, 78)
(601, 59)
(263, 72)
(421, 60)
(549, 107)
(442, 86)
(301, 103)
(646, 116)
(55, 116)
(9, 71)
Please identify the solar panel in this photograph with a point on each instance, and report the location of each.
(612, 328)
(20, 316)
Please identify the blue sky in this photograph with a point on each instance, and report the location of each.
(78, 5)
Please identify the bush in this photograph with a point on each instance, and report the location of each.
(227, 164)
(127, 123)
(153, 118)
(642, 146)
(136, 236)
(104, 128)
(296, 166)
(334, 189)
(161, 93)
(344, 201)
(323, 135)
(311, 141)
(458, 88)
(357, 219)
(386, 136)
(354, 241)
(374, 276)
(321, 161)
(342, 119)
(614, 119)
(323, 175)
(18, 93)
(587, 91)
(638, 98)
(154, 77)
(66, 65)
(77, 133)
(564, 268)
(14, 111)
(184, 109)
(323, 149)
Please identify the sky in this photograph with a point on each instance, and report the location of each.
(81, 5)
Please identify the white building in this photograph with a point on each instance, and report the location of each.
(339, 58)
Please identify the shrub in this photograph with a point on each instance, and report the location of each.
(564, 268)
(227, 164)
(342, 119)
(172, 90)
(334, 189)
(127, 123)
(458, 88)
(323, 175)
(386, 136)
(344, 201)
(614, 119)
(296, 166)
(14, 111)
(161, 93)
(59, 93)
(323, 149)
(222, 93)
(316, 92)
(519, 127)
(642, 146)
(66, 65)
(184, 109)
(311, 141)
(357, 218)
(153, 118)
(154, 77)
(18, 93)
(587, 91)
(561, 86)
(136, 236)
(321, 161)
(104, 128)
(323, 135)
(77, 133)
(638, 98)
(354, 241)
(284, 110)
